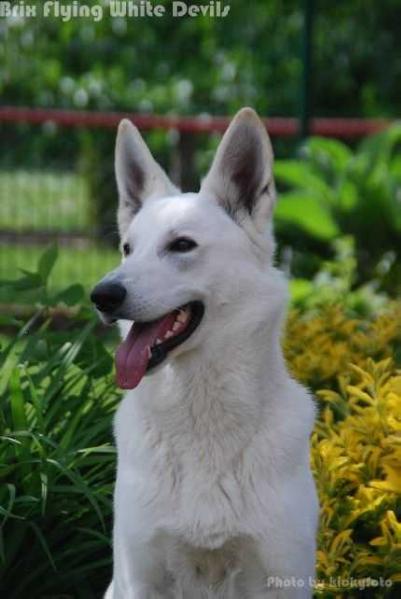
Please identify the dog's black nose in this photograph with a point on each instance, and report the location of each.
(107, 297)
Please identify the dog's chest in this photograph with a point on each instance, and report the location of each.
(200, 495)
(187, 480)
(190, 470)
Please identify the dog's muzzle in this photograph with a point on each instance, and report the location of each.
(108, 297)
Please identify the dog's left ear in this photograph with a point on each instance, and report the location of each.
(241, 177)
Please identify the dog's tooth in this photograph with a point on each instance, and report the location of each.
(182, 316)
(149, 352)
(176, 325)
(169, 334)
(158, 341)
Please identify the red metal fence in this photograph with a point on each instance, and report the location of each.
(346, 128)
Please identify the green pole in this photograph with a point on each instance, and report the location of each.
(306, 88)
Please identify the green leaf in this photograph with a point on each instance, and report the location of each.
(42, 540)
(71, 295)
(328, 153)
(94, 356)
(348, 196)
(47, 262)
(299, 174)
(379, 148)
(307, 213)
(31, 280)
(17, 402)
(395, 167)
(300, 289)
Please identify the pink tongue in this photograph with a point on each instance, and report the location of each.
(132, 355)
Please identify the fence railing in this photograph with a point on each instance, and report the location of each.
(346, 128)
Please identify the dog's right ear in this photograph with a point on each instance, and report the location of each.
(241, 175)
(138, 174)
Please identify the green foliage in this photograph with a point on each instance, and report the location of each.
(57, 397)
(333, 189)
(313, 217)
(86, 264)
(38, 282)
(207, 64)
(336, 284)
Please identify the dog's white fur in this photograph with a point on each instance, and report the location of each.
(214, 496)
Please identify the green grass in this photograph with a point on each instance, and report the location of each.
(43, 200)
(85, 266)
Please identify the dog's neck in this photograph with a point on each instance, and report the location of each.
(249, 361)
(213, 401)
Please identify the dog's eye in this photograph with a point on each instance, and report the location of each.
(126, 249)
(182, 244)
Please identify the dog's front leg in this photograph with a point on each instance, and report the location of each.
(292, 576)
(140, 592)
(139, 570)
(135, 591)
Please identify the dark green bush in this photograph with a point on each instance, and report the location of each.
(57, 397)
(334, 191)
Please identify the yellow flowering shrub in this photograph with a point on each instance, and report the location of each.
(351, 366)
(321, 346)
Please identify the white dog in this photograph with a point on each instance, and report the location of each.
(214, 495)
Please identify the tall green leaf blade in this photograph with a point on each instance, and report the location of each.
(47, 262)
(17, 402)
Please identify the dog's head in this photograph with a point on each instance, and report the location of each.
(193, 263)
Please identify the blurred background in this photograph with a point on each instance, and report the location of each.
(326, 78)
(328, 70)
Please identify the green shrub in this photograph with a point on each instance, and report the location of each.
(337, 283)
(333, 191)
(57, 397)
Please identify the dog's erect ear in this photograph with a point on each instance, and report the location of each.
(138, 175)
(241, 177)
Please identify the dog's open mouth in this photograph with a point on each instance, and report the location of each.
(148, 343)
